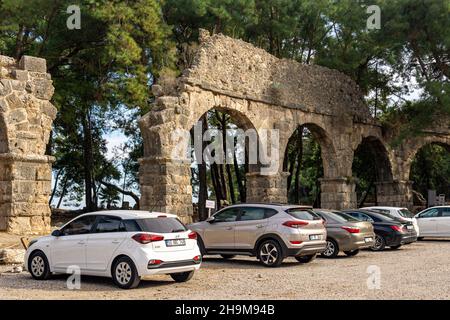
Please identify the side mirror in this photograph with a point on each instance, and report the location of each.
(57, 233)
(211, 219)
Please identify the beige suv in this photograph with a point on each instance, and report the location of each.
(271, 232)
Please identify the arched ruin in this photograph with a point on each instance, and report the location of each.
(269, 93)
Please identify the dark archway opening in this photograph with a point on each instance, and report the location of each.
(430, 170)
(370, 165)
(223, 182)
(303, 161)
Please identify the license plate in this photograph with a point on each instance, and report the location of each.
(369, 239)
(314, 237)
(409, 227)
(175, 242)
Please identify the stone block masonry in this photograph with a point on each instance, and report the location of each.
(26, 117)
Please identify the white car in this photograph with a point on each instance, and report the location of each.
(123, 245)
(434, 222)
(398, 212)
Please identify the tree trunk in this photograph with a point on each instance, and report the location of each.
(88, 161)
(299, 164)
(63, 193)
(203, 187)
(55, 187)
(216, 184)
(240, 183)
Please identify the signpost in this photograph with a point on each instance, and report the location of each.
(210, 204)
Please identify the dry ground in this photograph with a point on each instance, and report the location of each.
(417, 271)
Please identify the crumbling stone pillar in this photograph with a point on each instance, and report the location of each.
(166, 186)
(338, 193)
(26, 116)
(395, 194)
(267, 188)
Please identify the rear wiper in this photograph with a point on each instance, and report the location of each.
(178, 230)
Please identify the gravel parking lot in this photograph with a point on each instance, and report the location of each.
(417, 271)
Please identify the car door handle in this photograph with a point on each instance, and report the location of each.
(259, 226)
(229, 228)
(116, 241)
(81, 242)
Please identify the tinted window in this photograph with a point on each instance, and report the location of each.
(303, 214)
(81, 225)
(270, 212)
(384, 211)
(227, 215)
(109, 224)
(405, 213)
(365, 217)
(252, 214)
(445, 212)
(431, 213)
(161, 225)
(131, 225)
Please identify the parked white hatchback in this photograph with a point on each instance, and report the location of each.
(397, 212)
(434, 222)
(123, 245)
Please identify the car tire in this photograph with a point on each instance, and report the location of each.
(228, 256)
(352, 252)
(420, 238)
(270, 253)
(306, 259)
(332, 249)
(182, 276)
(124, 273)
(395, 247)
(379, 243)
(38, 266)
(201, 245)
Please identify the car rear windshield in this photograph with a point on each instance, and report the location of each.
(344, 216)
(303, 214)
(160, 225)
(405, 213)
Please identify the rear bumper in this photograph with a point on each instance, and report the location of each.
(170, 269)
(356, 242)
(307, 249)
(401, 240)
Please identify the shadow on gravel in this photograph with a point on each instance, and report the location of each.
(247, 264)
(58, 282)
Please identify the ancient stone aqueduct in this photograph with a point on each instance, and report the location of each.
(257, 89)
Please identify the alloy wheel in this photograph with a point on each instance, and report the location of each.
(123, 273)
(268, 253)
(378, 243)
(37, 266)
(329, 251)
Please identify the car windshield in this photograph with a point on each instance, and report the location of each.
(405, 213)
(161, 225)
(345, 216)
(303, 214)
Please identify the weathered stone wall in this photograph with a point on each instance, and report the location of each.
(26, 116)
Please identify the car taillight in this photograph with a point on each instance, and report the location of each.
(296, 242)
(351, 229)
(154, 262)
(295, 224)
(197, 259)
(192, 235)
(397, 228)
(145, 238)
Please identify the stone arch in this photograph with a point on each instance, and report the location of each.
(415, 145)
